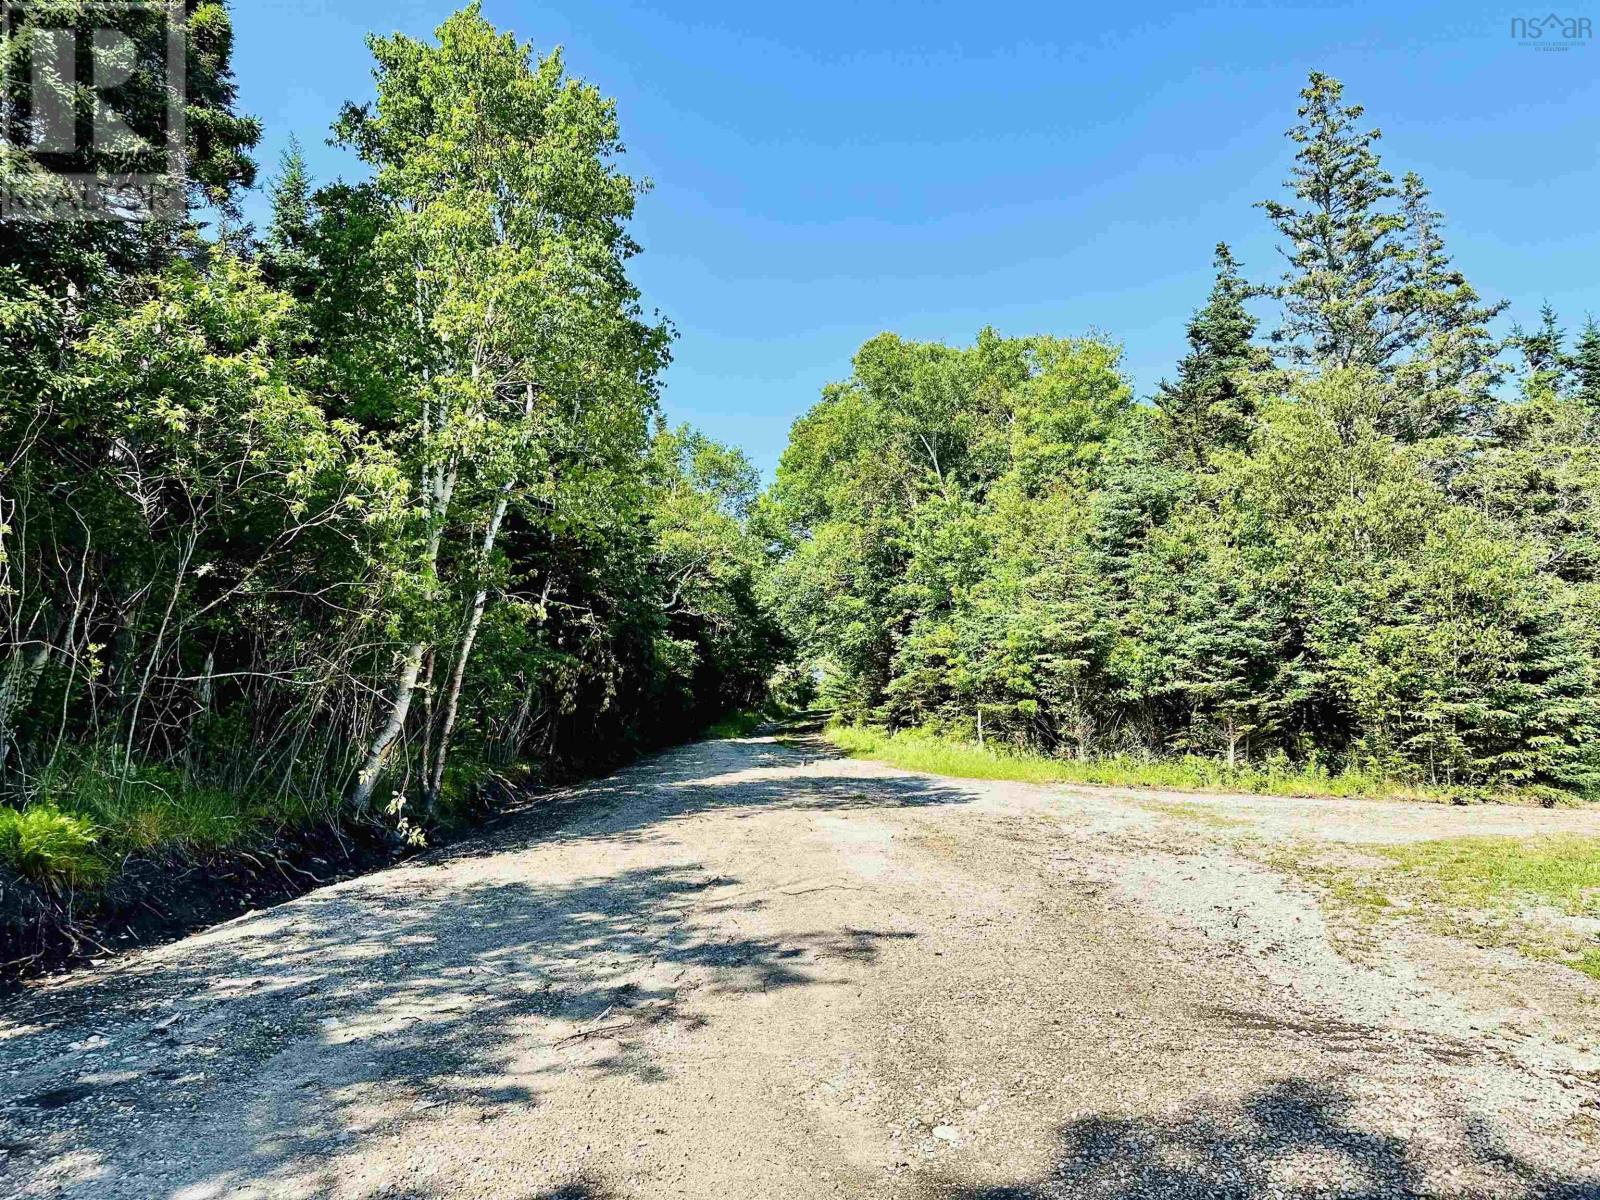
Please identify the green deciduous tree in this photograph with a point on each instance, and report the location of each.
(497, 193)
(373, 501)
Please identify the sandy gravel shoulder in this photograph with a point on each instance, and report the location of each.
(743, 969)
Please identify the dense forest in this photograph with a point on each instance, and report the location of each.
(1358, 531)
(338, 521)
(340, 518)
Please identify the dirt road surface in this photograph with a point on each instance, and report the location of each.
(744, 969)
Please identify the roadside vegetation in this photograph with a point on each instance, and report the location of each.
(914, 750)
(1352, 547)
(742, 724)
(1519, 891)
(338, 527)
(1539, 896)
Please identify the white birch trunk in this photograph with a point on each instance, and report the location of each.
(474, 619)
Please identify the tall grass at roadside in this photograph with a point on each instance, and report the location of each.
(739, 724)
(917, 751)
(151, 807)
(86, 813)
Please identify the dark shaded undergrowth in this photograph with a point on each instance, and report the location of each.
(162, 871)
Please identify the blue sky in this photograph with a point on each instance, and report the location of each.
(827, 171)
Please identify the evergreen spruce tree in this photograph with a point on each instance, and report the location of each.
(1228, 652)
(1211, 406)
(1541, 349)
(1585, 365)
(1448, 377)
(285, 254)
(1344, 251)
(1369, 282)
(290, 194)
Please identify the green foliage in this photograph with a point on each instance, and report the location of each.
(353, 521)
(1370, 565)
(1583, 367)
(739, 724)
(1212, 405)
(1368, 283)
(1344, 250)
(55, 849)
(887, 501)
(356, 519)
(916, 750)
(152, 807)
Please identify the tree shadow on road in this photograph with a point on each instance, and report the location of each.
(1295, 1138)
(739, 779)
(260, 1052)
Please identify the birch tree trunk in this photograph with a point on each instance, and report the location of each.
(469, 635)
(399, 709)
(411, 665)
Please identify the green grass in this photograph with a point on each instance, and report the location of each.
(1485, 887)
(1491, 891)
(86, 815)
(1351, 890)
(917, 751)
(156, 807)
(739, 724)
(1562, 872)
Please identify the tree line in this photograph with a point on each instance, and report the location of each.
(347, 513)
(1358, 531)
(339, 518)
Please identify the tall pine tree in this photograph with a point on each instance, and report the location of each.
(1448, 378)
(1369, 284)
(285, 257)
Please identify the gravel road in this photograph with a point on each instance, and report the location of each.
(748, 970)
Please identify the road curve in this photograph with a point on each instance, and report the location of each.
(744, 969)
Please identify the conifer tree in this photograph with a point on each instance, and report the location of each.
(1585, 365)
(1211, 406)
(1343, 247)
(1450, 373)
(1541, 349)
(285, 255)
(1369, 284)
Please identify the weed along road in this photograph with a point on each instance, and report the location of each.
(752, 969)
